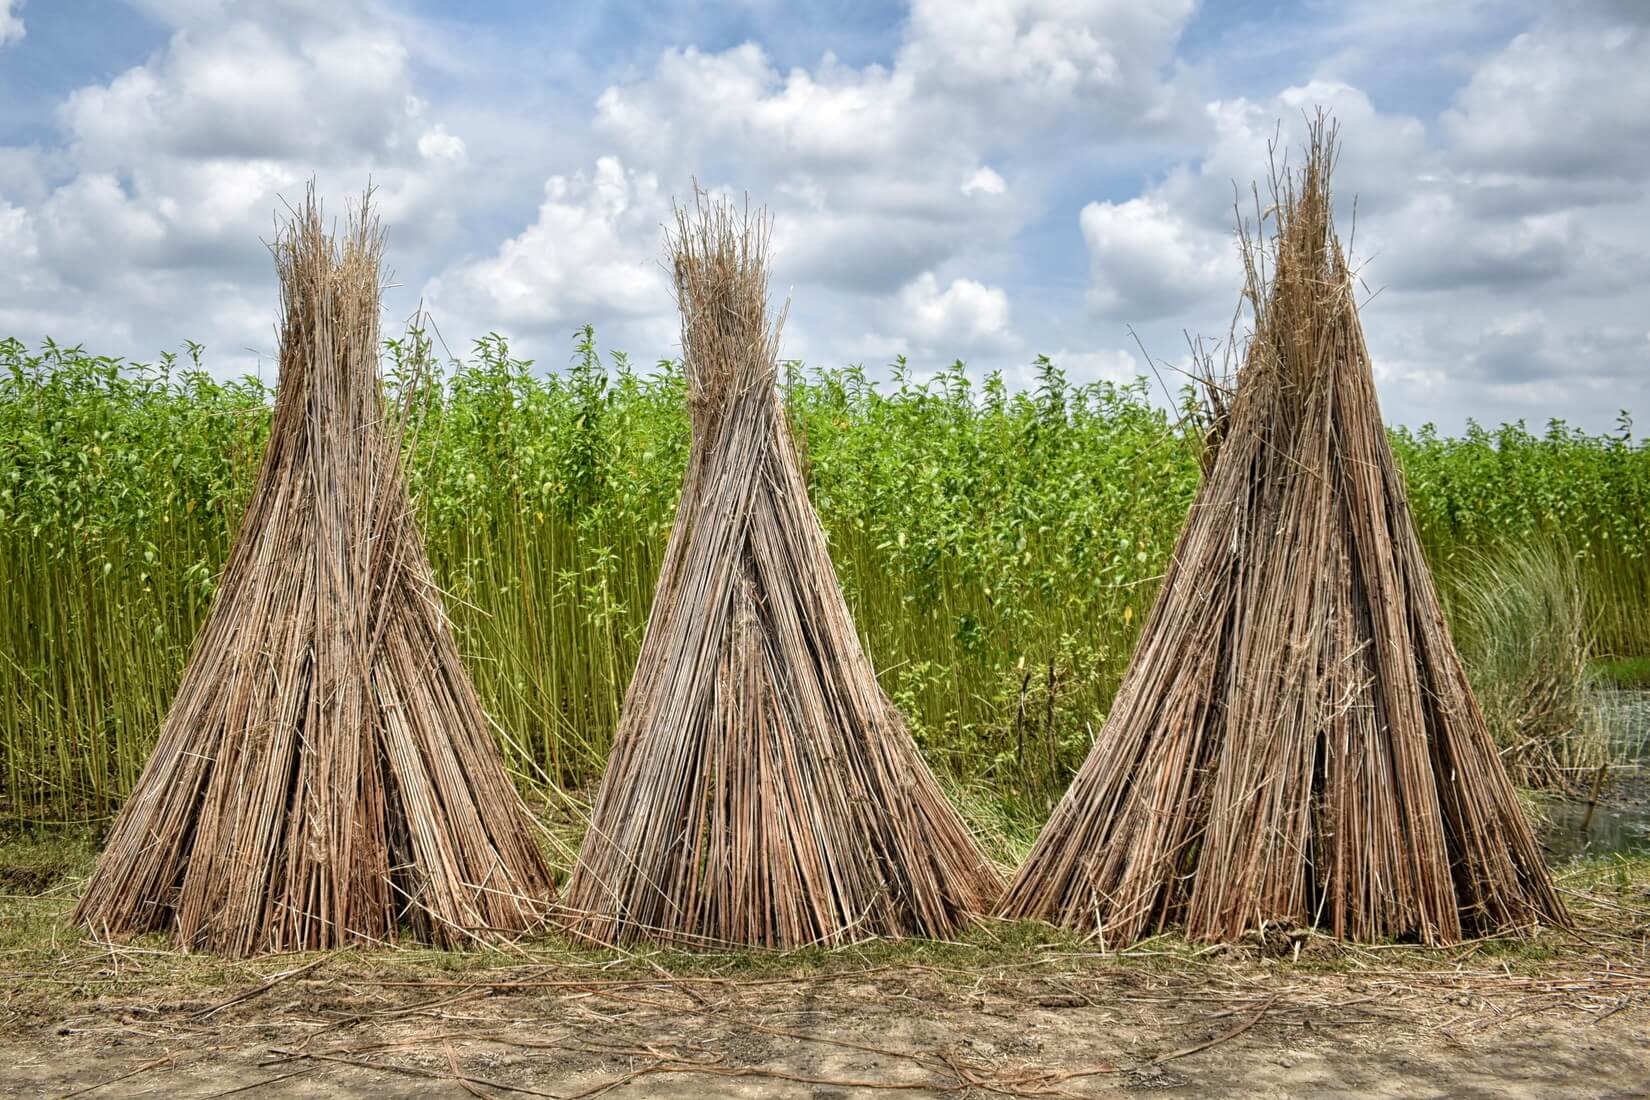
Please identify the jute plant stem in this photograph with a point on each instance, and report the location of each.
(326, 774)
(762, 790)
(1295, 739)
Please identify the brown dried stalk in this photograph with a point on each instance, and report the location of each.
(762, 789)
(326, 774)
(1295, 739)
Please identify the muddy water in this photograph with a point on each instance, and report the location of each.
(1620, 823)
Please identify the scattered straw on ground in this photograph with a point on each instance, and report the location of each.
(1010, 1009)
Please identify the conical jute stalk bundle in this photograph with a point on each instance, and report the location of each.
(762, 790)
(326, 774)
(1295, 740)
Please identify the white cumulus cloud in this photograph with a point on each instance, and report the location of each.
(1148, 260)
(11, 22)
(965, 312)
(979, 178)
(592, 254)
(169, 174)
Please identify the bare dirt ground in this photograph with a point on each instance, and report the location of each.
(1012, 1010)
(1051, 1022)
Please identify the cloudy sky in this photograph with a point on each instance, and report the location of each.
(975, 179)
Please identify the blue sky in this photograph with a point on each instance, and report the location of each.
(985, 180)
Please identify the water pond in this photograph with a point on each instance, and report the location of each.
(1620, 823)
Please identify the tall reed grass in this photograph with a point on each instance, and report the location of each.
(1525, 632)
(999, 547)
(1500, 489)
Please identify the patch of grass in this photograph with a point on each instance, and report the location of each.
(43, 862)
(1003, 823)
(40, 874)
(1606, 893)
(1609, 896)
(1525, 634)
(1624, 672)
(1619, 875)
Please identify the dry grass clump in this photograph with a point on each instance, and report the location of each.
(1295, 739)
(326, 774)
(762, 789)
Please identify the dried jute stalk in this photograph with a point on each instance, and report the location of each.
(762, 790)
(326, 775)
(1294, 740)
